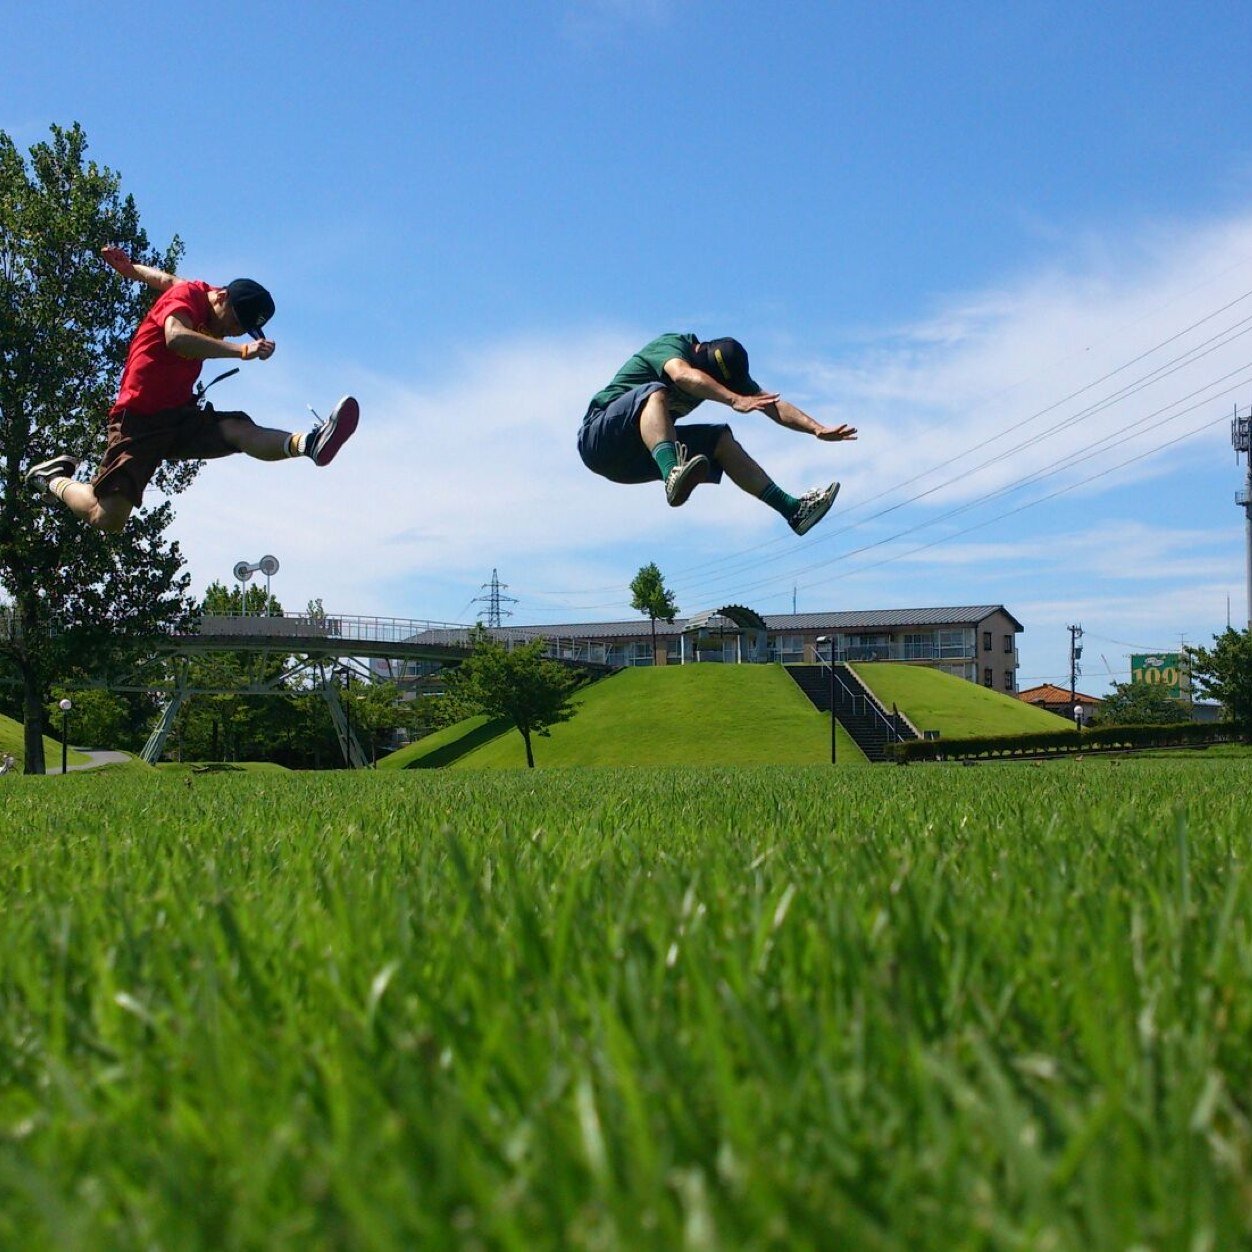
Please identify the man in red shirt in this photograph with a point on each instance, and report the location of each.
(155, 417)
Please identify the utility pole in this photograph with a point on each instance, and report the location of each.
(1241, 437)
(494, 599)
(1075, 654)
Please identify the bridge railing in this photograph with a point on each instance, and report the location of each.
(341, 627)
(325, 626)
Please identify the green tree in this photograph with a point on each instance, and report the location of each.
(225, 724)
(75, 596)
(517, 684)
(650, 596)
(101, 719)
(375, 710)
(1224, 672)
(1140, 704)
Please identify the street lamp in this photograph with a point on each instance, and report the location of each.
(830, 639)
(65, 707)
(267, 565)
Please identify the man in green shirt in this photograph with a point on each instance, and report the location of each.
(628, 433)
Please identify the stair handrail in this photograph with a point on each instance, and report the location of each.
(917, 734)
(869, 700)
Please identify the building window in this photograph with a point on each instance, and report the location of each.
(1008, 644)
(789, 649)
(956, 643)
(920, 646)
(986, 641)
(988, 679)
(1008, 680)
(867, 648)
(640, 653)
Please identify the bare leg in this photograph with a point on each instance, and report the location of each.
(107, 513)
(743, 471)
(256, 441)
(655, 424)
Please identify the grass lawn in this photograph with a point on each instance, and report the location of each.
(221, 767)
(952, 706)
(676, 715)
(12, 742)
(770, 1008)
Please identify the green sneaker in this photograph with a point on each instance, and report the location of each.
(686, 476)
(814, 505)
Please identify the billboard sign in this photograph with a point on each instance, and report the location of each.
(1161, 669)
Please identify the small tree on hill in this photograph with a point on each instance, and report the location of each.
(1140, 704)
(1224, 672)
(518, 684)
(650, 596)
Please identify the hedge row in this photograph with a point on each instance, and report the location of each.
(1060, 742)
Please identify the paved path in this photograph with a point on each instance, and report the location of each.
(96, 760)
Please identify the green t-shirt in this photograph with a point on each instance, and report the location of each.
(648, 366)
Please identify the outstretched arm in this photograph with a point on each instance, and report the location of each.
(786, 414)
(697, 383)
(157, 279)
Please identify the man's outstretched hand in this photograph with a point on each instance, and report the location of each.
(835, 434)
(119, 260)
(754, 404)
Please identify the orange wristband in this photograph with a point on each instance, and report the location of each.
(245, 351)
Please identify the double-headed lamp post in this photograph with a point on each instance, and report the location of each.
(830, 639)
(65, 707)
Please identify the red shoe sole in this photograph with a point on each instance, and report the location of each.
(345, 425)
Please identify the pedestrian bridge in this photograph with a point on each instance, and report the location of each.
(323, 650)
(367, 638)
(317, 634)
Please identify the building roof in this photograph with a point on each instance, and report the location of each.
(875, 619)
(776, 623)
(886, 619)
(1049, 693)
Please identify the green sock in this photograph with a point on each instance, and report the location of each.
(779, 500)
(666, 457)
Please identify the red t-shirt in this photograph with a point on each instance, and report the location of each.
(156, 378)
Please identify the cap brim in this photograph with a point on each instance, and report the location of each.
(254, 332)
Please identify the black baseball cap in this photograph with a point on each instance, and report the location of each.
(727, 361)
(253, 305)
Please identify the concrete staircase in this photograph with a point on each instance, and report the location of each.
(873, 727)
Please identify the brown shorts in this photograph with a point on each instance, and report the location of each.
(139, 442)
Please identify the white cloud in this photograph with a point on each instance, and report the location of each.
(475, 467)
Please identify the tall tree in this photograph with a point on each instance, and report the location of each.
(650, 596)
(517, 684)
(1140, 704)
(74, 594)
(1225, 673)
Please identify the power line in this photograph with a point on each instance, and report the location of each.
(1068, 462)
(734, 561)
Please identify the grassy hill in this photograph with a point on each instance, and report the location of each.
(11, 741)
(955, 708)
(671, 715)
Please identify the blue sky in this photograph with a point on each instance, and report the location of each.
(1004, 241)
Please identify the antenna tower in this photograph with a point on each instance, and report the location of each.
(494, 599)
